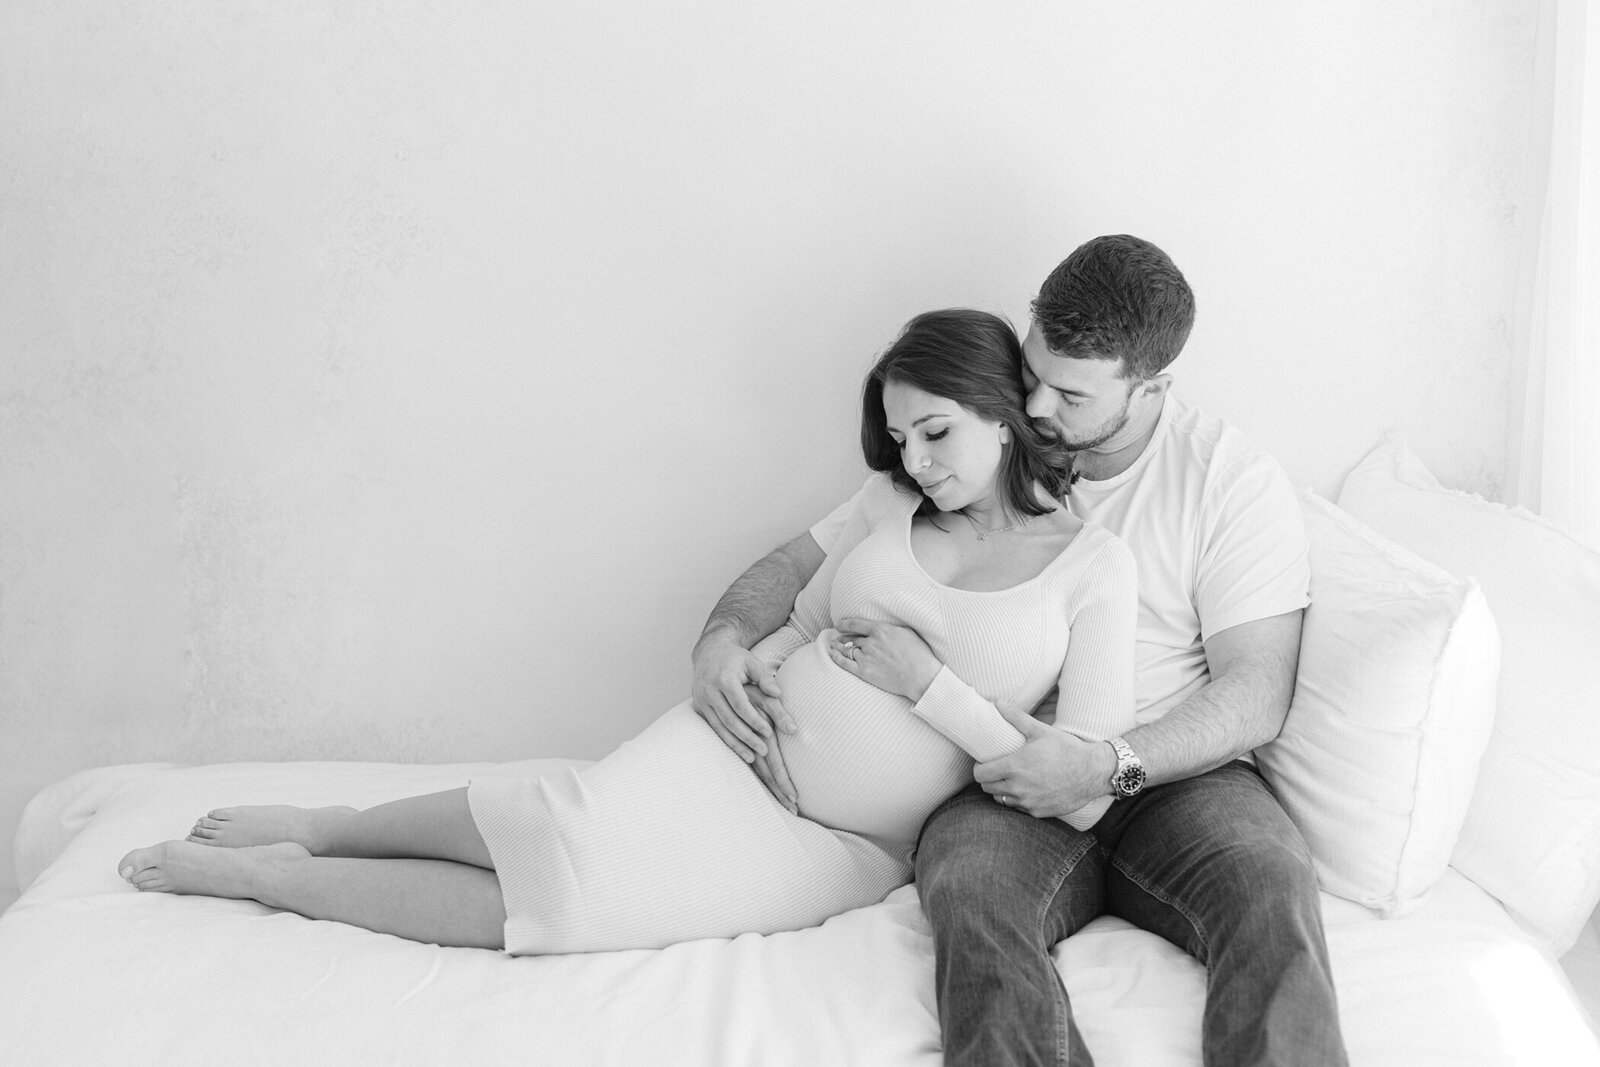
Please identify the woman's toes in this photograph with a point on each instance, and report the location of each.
(152, 881)
(137, 862)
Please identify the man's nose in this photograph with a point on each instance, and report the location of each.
(1041, 402)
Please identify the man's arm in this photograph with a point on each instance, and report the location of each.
(1242, 707)
(733, 690)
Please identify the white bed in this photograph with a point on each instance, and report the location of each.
(1464, 972)
(98, 973)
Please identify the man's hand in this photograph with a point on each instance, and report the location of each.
(1052, 774)
(737, 695)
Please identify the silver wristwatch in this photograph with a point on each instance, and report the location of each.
(1128, 778)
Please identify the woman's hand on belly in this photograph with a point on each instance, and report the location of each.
(861, 759)
(892, 657)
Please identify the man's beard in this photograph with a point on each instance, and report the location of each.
(1106, 432)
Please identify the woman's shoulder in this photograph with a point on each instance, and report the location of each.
(1102, 557)
(1095, 537)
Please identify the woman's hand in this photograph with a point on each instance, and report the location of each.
(892, 657)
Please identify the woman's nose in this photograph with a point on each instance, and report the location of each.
(915, 458)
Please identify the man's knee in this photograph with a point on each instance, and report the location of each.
(980, 865)
(964, 855)
(1277, 867)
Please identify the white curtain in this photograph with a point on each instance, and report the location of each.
(1556, 425)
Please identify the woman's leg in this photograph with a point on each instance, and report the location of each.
(432, 826)
(433, 901)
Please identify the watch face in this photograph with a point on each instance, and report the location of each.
(1130, 780)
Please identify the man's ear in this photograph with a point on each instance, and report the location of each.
(1157, 387)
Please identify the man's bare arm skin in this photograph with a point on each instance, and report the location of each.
(734, 691)
(1242, 707)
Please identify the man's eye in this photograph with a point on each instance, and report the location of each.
(1068, 398)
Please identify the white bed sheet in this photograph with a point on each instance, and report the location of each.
(1582, 966)
(92, 971)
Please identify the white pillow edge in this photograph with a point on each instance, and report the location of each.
(1463, 695)
(1393, 460)
(1393, 456)
(1400, 898)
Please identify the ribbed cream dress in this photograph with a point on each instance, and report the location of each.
(672, 837)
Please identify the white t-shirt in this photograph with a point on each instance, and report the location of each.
(1215, 528)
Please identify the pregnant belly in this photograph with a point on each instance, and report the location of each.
(861, 759)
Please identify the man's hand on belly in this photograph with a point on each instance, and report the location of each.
(769, 765)
(1052, 774)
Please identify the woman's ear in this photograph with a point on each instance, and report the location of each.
(1005, 434)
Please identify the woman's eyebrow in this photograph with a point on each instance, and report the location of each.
(919, 422)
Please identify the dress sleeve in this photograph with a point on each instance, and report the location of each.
(780, 644)
(1097, 698)
(1096, 679)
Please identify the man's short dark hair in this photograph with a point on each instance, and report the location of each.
(1116, 298)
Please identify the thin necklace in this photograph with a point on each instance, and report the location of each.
(984, 535)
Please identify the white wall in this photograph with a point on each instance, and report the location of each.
(405, 381)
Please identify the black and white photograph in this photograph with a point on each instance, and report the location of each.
(868, 534)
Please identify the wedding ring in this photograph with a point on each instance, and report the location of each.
(1005, 798)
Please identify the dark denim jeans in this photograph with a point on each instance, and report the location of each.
(1212, 864)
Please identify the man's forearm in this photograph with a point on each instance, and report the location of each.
(1241, 708)
(1211, 728)
(760, 599)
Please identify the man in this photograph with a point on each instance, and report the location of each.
(1195, 847)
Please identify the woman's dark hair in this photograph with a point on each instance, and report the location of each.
(973, 358)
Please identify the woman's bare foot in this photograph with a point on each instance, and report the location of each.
(185, 867)
(244, 827)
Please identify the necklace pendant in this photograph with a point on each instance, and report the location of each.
(984, 535)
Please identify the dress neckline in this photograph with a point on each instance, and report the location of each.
(911, 518)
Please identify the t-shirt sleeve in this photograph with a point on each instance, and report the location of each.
(1254, 562)
(826, 533)
(878, 500)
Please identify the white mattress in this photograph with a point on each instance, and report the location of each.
(92, 971)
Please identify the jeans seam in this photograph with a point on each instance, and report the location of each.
(1063, 1011)
(1149, 886)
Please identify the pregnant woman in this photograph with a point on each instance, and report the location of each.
(961, 590)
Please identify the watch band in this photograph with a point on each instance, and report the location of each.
(1128, 778)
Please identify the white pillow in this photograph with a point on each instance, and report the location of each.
(1532, 835)
(1392, 709)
